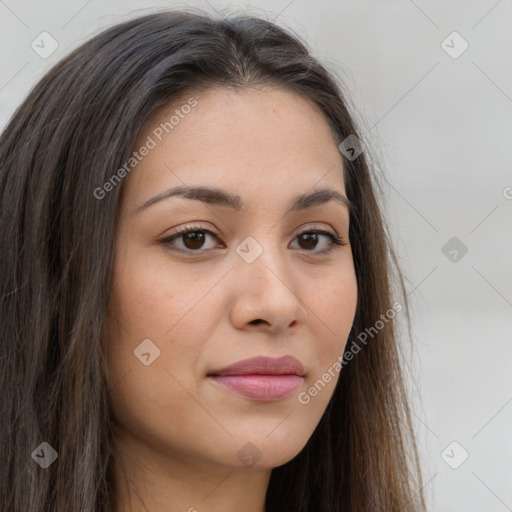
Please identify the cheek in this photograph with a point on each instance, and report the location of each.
(145, 305)
(154, 297)
(176, 310)
(333, 308)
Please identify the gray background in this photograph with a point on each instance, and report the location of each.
(441, 127)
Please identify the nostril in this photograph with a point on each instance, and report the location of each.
(255, 322)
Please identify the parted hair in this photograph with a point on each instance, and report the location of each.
(76, 127)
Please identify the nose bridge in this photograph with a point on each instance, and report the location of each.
(263, 266)
(265, 294)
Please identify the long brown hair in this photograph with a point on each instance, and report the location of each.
(57, 239)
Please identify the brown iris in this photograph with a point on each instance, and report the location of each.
(194, 239)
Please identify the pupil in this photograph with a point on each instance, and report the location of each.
(196, 238)
(311, 239)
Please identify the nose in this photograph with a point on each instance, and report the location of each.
(266, 295)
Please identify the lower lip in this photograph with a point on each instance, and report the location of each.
(264, 388)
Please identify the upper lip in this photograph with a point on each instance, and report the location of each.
(261, 365)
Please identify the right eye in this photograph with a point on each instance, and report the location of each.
(192, 239)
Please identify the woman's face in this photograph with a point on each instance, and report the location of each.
(245, 283)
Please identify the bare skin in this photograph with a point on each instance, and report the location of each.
(179, 433)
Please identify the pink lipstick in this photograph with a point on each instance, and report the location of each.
(261, 378)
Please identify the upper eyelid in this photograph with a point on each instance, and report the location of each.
(183, 230)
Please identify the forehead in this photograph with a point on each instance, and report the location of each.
(267, 140)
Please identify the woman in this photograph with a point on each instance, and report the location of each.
(196, 284)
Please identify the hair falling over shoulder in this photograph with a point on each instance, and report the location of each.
(57, 242)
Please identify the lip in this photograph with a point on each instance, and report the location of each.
(261, 378)
(262, 365)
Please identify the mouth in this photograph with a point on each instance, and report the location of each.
(263, 379)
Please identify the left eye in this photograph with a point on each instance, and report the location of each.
(193, 239)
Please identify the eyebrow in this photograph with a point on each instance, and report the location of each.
(217, 196)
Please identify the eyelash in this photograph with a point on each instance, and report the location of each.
(185, 230)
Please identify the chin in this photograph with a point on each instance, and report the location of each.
(270, 451)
